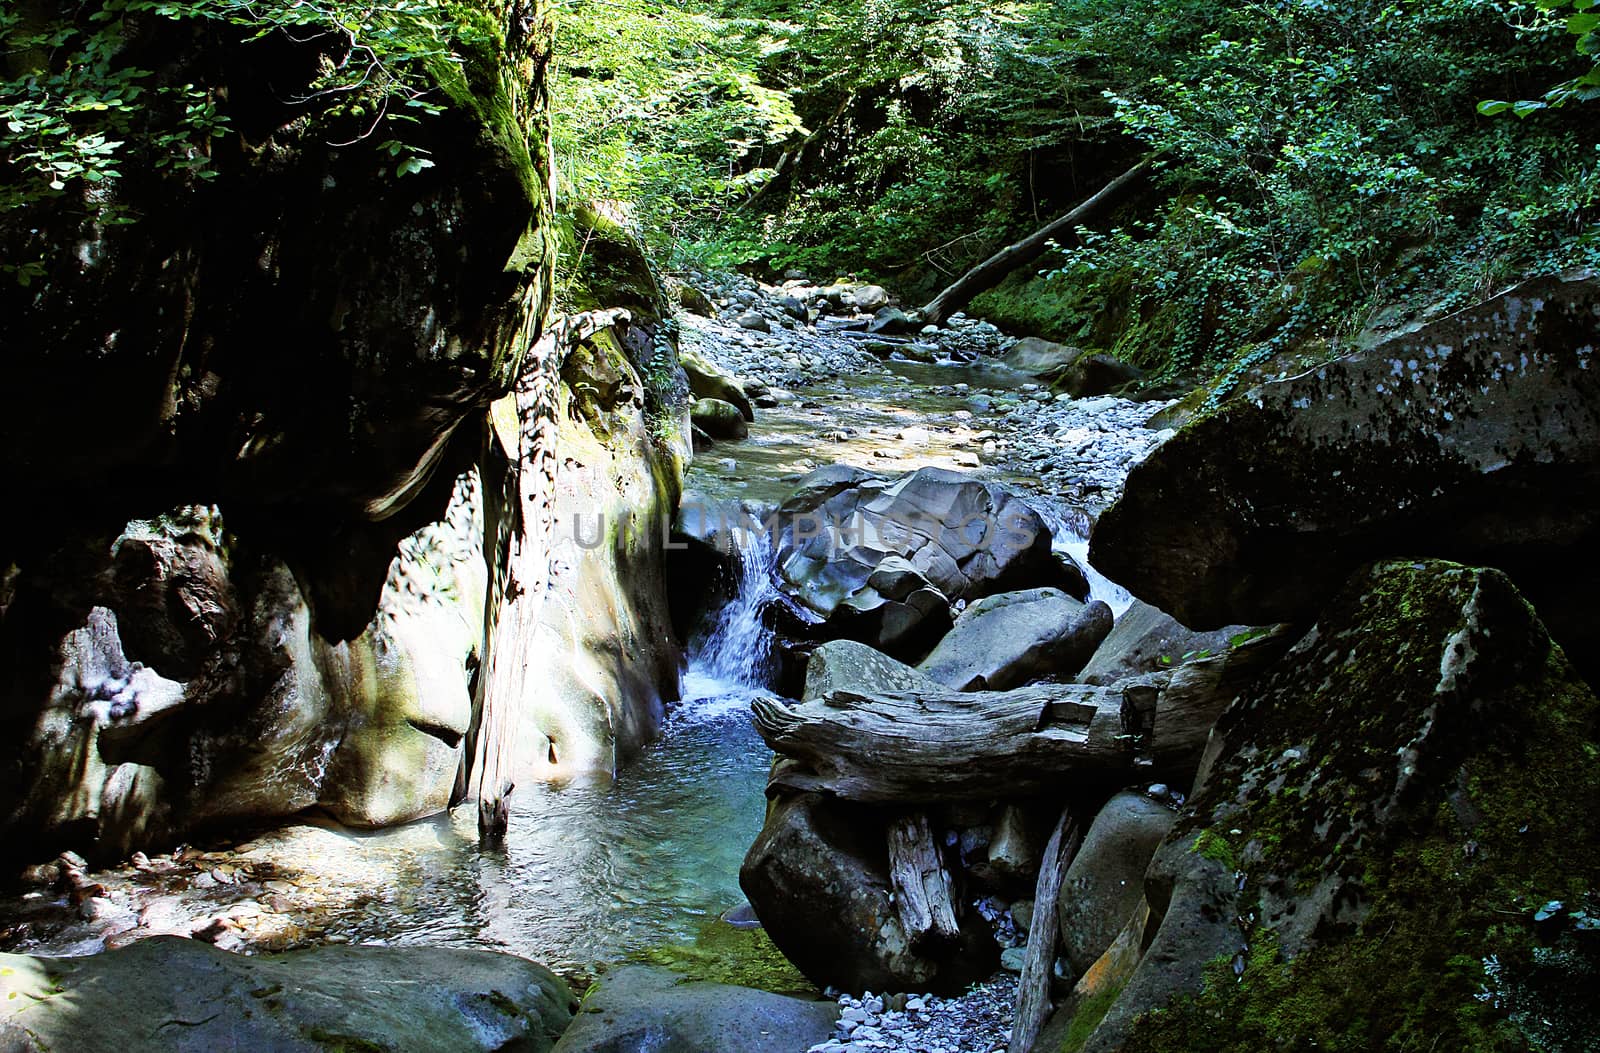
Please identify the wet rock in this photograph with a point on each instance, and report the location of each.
(642, 1009)
(1041, 358)
(1382, 802)
(1145, 640)
(719, 419)
(818, 878)
(1471, 437)
(1105, 881)
(167, 993)
(1004, 641)
(891, 321)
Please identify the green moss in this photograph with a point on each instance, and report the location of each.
(1086, 1016)
(1441, 870)
(335, 1042)
(1212, 845)
(723, 954)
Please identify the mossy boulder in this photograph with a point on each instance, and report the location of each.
(1379, 823)
(707, 380)
(1475, 437)
(168, 993)
(719, 419)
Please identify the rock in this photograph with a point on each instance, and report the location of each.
(1011, 959)
(965, 537)
(845, 665)
(719, 419)
(135, 998)
(1394, 799)
(1145, 640)
(1470, 437)
(818, 878)
(1022, 914)
(643, 1009)
(870, 298)
(1100, 374)
(691, 298)
(1006, 640)
(707, 380)
(891, 320)
(1014, 848)
(898, 610)
(794, 307)
(1041, 358)
(1105, 882)
(754, 321)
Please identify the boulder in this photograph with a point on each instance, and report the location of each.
(1099, 374)
(817, 876)
(755, 321)
(1145, 640)
(794, 307)
(645, 1009)
(891, 320)
(1471, 437)
(845, 665)
(168, 993)
(707, 380)
(1041, 358)
(1409, 795)
(1006, 640)
(898, 610)
(1105, 882)
(870, 298)
(967, 538)
(719, 419)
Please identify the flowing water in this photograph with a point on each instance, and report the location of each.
(593, 874)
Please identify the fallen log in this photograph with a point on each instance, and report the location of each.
(1033, 987)
(992, 271)
(921, 883)
(945, 746)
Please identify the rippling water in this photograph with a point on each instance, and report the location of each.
(588, 874)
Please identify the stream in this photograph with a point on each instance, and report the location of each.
(597, 874)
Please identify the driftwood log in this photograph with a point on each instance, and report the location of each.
(921, 883)
(1033, 987)
(942, 746)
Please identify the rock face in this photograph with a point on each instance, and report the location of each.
(641, 1009)
(367, 998)
(818, 879)
(1396, 798)
(1145, 640)
(300, 450)
(943, 535)
(1474, 437)
(1105, 882)
(1004, 641)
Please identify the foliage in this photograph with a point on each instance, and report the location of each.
(85, 99)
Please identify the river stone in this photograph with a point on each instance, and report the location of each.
(755, 321)
(719, 419)
(845, 665)
(870, 298)
(1473, 437)
(1393, 800)
(1145, 639)
(1105, 882)
(1004, 641)
(172, 994)
(968, 538)
(707, 380)
(645, 1009)
(817, 876)
(891, 321)
(1040, 358)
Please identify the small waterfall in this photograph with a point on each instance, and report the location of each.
(734, 660)
(1069, 533)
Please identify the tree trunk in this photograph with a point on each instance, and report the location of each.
(1033, 988)
(992, 271)
(518, 542)
(921, 884)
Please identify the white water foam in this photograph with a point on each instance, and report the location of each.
(733, 662)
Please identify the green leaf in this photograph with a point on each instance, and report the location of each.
(1525, 107)
(1493, 107)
